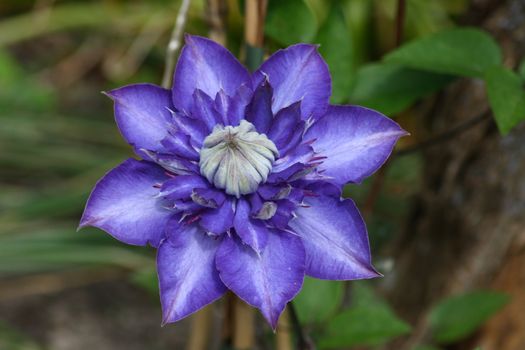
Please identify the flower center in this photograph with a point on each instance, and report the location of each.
(237, 159)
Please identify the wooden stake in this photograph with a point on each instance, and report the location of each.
(284, 332)
(254, 22)
(255, 11)
(201, 328)
(244, 330)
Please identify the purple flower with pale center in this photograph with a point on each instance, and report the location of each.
(239, 186)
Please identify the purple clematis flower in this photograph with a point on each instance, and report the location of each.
(240, 183)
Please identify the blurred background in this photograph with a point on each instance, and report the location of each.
(446, 215)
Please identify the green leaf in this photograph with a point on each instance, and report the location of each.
(289, 22)
(337, 49)
(369, 322)
(506, 97)
(457, 317)
(460, 51)
(318, 300)
(391, 88)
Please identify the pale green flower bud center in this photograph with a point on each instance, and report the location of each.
(237, 159)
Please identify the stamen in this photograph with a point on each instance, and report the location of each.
(237, 159)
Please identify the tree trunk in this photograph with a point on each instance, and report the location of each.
(467, 230)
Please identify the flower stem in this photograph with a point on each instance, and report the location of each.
(400, 21)
(303, 340)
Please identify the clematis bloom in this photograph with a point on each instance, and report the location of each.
(239, 186)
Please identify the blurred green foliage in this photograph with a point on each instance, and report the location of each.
(458, 316)
(290, 22)
(318, 300)
(459, 51)
(368, 321)
(392, 88)
(506, 96)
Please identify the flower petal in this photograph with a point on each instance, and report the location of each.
(283, 214)
(267, 281)
(125, 204)
(335, 239)
(203, 109)
(355, 140)
(287, 128)
(172, 162)
(182, 186)
(274, 192)
(179, 144)
(251, 231)
(208, 197)
(233, 109)
(303, 154)
(142, 114)
(220, 220)
(259, 111)
(205, 65)
(192, 127)
(297, 73)
(188, 278)
(289, 174)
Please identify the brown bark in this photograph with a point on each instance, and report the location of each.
(467, 230)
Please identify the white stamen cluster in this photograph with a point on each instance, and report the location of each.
(237, 159)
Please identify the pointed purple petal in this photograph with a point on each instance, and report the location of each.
(188, 207)
(222, 104)
(142, 114)
(182, 186)
(204, 110)
(301, 154)
(193, 127)
(251, 231)
(205, 65)
(297, 73)
(284, 214)
(291, 173)
(124, 203)
(179, 143)
(233, 109)
(259, 111)
(321, 188)
(287, 128)
(256, 203)
(267, 281)
(355, 140)
(335, 239)
(208, 197)
(218, 221)
(274, 192)
(188, 278)
(172, 163)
